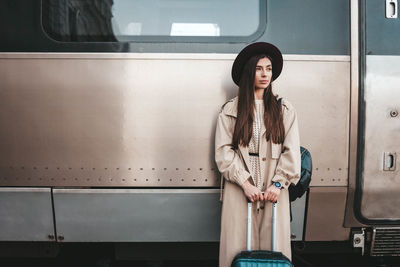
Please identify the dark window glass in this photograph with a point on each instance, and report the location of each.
(134, 20)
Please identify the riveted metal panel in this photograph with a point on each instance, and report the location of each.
(149, 120)
(320, 92)
(26, 214)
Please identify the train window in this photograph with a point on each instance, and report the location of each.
(155, 20)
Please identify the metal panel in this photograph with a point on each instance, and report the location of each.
(325, 216)
(137, 215)
(309, 27)
(320, 92)
(26, 214)
(350, 219)
(382, 33)
(380, 188)
(149, 120)
(298, 214)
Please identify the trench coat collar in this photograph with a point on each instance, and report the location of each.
(230, 107)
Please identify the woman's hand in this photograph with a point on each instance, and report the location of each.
(272, 193)
(252, 193)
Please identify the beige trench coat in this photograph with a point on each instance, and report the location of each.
(278, 163)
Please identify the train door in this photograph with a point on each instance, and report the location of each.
(377, 192)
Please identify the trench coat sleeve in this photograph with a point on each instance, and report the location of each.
(228, 161)
(289, 164)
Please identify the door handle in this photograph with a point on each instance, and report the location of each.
(389, 161)
(391, 9)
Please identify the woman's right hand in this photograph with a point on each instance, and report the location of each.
(252, 193)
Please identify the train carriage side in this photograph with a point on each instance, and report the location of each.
(108, 115)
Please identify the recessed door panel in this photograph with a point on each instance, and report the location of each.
(380, 176)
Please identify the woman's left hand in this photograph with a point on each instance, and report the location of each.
(272, 193)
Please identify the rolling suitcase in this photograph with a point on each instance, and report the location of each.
(261, 258)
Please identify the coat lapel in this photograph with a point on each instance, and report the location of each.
(231, 110)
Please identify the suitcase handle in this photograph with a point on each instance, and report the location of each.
(273, 234)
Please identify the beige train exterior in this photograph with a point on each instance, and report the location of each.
(148, 120)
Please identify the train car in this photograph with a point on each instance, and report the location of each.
(108, 112)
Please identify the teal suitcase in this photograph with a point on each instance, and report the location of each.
(261, 258)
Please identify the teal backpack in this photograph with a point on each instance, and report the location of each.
(298, 190)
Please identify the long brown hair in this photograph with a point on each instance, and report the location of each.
(273, 118)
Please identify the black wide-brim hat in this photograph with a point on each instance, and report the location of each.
(260, 48)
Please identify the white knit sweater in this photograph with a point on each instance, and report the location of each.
(255, 143)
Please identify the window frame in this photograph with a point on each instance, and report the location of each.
(262, 25)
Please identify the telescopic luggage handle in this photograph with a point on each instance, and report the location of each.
(248, 237)
(273, 234)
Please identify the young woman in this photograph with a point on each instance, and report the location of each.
(256, 150)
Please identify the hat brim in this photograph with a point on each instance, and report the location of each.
(259, 48)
